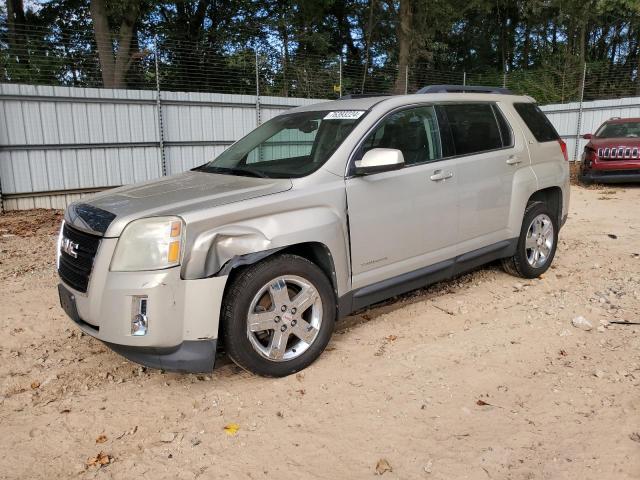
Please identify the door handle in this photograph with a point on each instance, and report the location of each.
(513, 160)
(440, 175)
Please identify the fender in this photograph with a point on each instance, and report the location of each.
(555, 174)
(525, 184)
(217, 251)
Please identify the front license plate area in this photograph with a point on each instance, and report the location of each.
(68, 303)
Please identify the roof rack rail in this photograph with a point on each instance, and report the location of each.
(363, 95)
(464, 88)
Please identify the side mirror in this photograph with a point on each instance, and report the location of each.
(587, 136)
(379, 160)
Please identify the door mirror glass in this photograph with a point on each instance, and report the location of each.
(379, 160)
(587, 136)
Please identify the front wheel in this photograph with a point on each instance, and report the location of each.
(278, 316)
(537, 243)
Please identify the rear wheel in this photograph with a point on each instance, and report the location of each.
(278, 316)
(537, 243)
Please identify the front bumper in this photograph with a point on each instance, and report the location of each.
(183, 315)
(609, 176)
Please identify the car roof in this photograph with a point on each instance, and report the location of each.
(367, 103)
(623, 120)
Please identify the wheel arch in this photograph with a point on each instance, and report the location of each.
(552, 196)
(316, 252)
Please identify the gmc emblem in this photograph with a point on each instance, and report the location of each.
(69, 247)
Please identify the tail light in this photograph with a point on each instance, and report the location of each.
(563, 147)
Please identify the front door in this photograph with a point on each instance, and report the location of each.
(406, 219)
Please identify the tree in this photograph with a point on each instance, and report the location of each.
(115, 48)
(405, 34)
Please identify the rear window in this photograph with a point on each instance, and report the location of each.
(473, 126)
(537, 122)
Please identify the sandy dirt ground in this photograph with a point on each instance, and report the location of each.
(483, 377)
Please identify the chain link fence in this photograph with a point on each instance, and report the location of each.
(46, 56)
(254, 76)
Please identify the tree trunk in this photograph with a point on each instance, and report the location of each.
(114, 67)
(284, 34)
(405, 33)
(16, 24)
(368, 45)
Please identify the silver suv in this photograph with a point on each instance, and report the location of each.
(317, 213)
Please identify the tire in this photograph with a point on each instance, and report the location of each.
(269, 330)
(524, 263)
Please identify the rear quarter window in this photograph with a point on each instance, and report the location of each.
(537, 122)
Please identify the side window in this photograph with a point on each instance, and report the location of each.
(473, 127)
(413, 131)
(505, 130)
(537, 122)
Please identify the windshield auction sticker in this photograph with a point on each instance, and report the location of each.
(344, 115)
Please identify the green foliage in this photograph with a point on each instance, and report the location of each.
(210, 45)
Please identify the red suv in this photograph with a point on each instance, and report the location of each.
(613, 152)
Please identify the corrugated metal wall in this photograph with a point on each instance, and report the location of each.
(58, 144)
(565, 118)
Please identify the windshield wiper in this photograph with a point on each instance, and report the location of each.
(234, 171)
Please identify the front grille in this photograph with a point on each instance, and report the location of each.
(618, 153)
(76, 272)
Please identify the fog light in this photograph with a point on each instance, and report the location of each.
(139, 321)
(139, 325)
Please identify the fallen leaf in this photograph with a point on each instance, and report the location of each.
(35, 385)
(482, 403)
(101, 438)
(231, 428)
(383, 466)
(99, 460)
(392, 338)
(635, 436)
(611, 235)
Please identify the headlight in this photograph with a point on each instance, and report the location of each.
(149, 244)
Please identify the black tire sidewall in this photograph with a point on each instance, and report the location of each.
(525, 269)
(237, 303)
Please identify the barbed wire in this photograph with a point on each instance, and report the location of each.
(54, 56)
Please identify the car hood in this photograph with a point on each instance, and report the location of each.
(615, 142)
(109, 212)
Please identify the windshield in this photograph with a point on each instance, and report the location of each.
(619, 130)
(288, 146)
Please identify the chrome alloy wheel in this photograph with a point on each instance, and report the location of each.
(284, 318)
(539, 241)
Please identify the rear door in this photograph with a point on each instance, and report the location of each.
(488, 156)
(406, 219)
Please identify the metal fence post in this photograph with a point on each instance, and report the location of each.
(163, 160)
(464, 79)
(1, 199)
(257, 91)
(579, 123)
(340, 77)
(406, 79)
